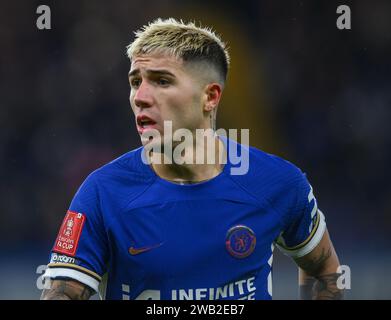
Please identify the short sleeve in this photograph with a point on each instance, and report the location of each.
(304, 224)
(80, 251)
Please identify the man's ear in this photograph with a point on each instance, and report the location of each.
(213, 92)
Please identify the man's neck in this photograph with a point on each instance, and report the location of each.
(191, 172)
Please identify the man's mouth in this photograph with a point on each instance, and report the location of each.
(144, 122)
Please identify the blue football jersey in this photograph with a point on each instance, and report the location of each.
(129, 234)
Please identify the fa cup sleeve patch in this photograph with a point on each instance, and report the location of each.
(69, 234)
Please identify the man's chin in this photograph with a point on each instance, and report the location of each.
(152, 143)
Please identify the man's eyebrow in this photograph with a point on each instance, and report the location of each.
(133, 72)
(160, 72)
(152, 72)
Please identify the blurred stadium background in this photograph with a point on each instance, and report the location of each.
(313, 94)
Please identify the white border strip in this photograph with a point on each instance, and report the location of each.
(311, 244)
(73, 274)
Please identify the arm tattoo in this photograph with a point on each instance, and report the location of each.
(322, 287)
(305, 289)
(313, 266)
(66, 290)
(317, 285)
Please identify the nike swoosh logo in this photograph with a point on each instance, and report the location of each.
(134, 251)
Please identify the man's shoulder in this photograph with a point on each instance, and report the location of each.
(271, 179)
(128, 167)
(271, 164)
(269, 174)
(114, 184)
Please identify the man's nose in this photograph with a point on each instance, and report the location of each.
(143, 96)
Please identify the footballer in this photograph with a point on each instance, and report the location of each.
(142, 227)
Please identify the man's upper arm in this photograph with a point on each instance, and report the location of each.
(66, 289)
(318, 276)
(80, 251)
(303, 223)
(321, 260)
(305, 239)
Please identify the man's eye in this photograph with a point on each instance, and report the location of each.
(163, 81)
(135, 82)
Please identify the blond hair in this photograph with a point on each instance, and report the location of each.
(182, 40)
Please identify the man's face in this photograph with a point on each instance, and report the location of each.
(163, 89)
